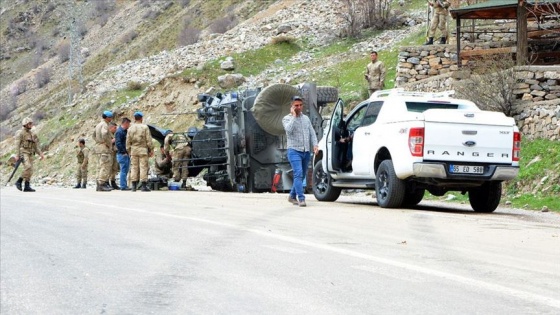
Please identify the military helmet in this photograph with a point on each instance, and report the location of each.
(192, 132)
(26, 120)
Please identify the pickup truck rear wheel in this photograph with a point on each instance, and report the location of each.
(413, 197)
(322, 184)
(389, 189)
(486, 198)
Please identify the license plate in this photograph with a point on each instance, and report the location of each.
(466, 169)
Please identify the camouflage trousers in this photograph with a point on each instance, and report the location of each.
(104, 166)
(115, 168)
(438, 21)
(180, 163)
(27, 166)
(81, 174)
(139, 168)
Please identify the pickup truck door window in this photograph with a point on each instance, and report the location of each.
(335, 123)
(363, 139)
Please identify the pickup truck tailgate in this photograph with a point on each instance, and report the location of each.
(468, 136)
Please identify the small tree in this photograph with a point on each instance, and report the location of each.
(361, 14)
(491, 83)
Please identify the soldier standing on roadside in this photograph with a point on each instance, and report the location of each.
(139, 145)
(27, 144)
(83, 160)
(375, 74)
(103, 151)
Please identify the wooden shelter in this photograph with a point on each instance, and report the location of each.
(520, 10)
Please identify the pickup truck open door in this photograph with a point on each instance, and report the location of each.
(335, 123)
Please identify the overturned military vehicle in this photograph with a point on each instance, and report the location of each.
(242, 145)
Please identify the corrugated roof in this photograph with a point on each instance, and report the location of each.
(504, 9)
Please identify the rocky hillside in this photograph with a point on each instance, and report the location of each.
(132, 55)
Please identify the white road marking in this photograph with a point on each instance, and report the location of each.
(523, 295)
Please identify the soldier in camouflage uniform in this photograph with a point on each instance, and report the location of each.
(375, 74)
(115, 165)
(27, 145)
(103, 151)
(163, 165)
(83, 160)
(178, 148)
(140, 147)
(439, 20)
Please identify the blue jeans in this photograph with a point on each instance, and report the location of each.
(124, 163)
(299, 161)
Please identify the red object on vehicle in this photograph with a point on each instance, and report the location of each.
(416, 141)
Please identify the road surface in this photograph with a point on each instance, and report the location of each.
(75, 251)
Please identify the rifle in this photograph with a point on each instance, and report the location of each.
(15, 169)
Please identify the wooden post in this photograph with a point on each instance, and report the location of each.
(458, 23)
(521, 33)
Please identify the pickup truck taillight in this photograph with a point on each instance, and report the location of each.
(516, 153)
(416, 141)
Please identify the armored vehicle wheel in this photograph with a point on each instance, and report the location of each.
(486, 198)
(389, 189)
(322, 187)
(327, 94)
(413, 197)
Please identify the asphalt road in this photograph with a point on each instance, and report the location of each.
(68, 251)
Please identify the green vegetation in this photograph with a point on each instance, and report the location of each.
(248, 63)
(539, 170)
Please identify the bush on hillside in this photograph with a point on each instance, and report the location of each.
(184, 3)
(223, 24)
(7, 107)
(42, 77)
(188, 36)
(64, 51)
(129, 36)
(133, 86)
(491, 83)
(282, 39)
(18, 87)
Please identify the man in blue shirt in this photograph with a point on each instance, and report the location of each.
(122, 155)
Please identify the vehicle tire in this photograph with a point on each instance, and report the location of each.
(322, 184)
(413, 197)
(486, 198)
(327, 94)
(389, 189)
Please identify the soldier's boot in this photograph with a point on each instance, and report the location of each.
(84, 184)
(114, 185)
(18, 183)
(134, 184)
(430, 41)
(78, 185)
(145, 187)
(184, 184)
(28, 187)
(106, 184)
(443, 40)
(102, 186)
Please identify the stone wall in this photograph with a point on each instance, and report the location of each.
(537, 111)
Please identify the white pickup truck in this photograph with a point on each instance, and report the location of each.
(404, 143)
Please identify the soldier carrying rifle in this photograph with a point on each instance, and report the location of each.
(27, 145)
